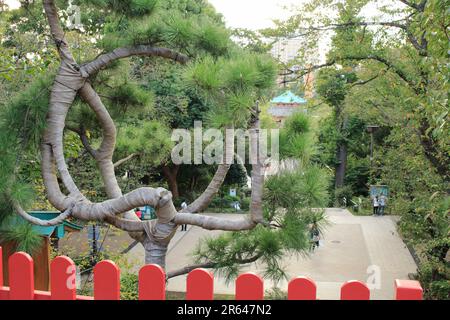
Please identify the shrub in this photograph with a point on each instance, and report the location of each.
(129, 287)
(245, 204)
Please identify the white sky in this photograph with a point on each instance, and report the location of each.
(257, 14)
(13, 4)
(252, 14)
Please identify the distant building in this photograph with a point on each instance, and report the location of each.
(286, 50)
(285, 105)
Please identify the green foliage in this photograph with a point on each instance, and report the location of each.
(296, 139)
(24, 116)
(129, 284)
(287, 202)
(275, 293)
(245, 204)
(189, 26)
(175, 104)
(21, 234)
(127, 95)
(355, 136)
(203, 74)
(231, 85)
(306, 186)
(150, 139)
(130, 8)
(22, 121)
(236, 175)
(331, 86)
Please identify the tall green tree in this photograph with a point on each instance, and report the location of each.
(405, 89)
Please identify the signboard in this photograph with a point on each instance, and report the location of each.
(378, 190)
(233, 192)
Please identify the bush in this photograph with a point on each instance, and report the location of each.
(435, 284)
(217, 202)
(340, 193)
(229, 199)
(245, 204)
(223, 203)
(275, 294)
(129, 287)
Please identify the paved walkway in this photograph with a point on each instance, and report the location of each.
(361, 248)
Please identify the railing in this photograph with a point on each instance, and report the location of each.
(152, 284)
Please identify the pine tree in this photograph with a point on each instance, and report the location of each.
(190, 36)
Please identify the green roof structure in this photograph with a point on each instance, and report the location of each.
(59, 231)
(288, 97)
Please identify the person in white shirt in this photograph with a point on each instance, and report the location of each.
(375, 205)
(184, 206)
(382, 204)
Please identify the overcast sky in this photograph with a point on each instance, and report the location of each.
(252, 14)
(257, 14)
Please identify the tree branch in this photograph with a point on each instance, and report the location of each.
(122, 161)
(57, 32)
(119, 53)
(206, 265)
(439, 160)
(125, 224)
(364, 82)
(419, 46)
(39, 222)
(374, 57)
(84, 139)
(214, 223)
(189, 268)
(419, 7)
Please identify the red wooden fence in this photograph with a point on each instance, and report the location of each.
(152, 284)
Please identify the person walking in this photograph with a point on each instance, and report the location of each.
(315, 236)
(382, 204)
(375, 205)
(184, 206)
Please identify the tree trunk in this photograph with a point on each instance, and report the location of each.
(341, 158)
(341, 149)
(171, 173)
(438, 159)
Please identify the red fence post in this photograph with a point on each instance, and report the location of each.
(21, 276)
(408, 290)
(249, 286)
(355, 290)
(302, 288)
(106, 281)
(152, 283)
(200, 285)
(63, 274)
(1, 267)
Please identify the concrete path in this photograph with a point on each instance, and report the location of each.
(362, 248)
